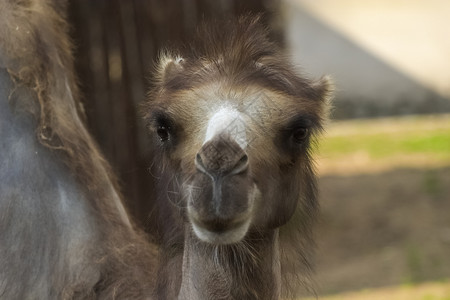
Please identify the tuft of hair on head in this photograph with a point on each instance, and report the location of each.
(244, 43)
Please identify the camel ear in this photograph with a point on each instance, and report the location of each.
(168, 66)
(325, 89)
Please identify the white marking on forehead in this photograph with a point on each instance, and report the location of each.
(227, 120)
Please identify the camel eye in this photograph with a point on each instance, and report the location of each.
(163, 132)
(161, 124)
(300, 134)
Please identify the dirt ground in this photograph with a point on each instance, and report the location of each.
(383, 229)
(423, 291)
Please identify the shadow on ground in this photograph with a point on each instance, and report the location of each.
(383, 229)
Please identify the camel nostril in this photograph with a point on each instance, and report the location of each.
(244, 159)
(199, 159)
(199, 163)
(241, 165)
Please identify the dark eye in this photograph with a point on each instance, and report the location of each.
(300, 134)
(163, 132)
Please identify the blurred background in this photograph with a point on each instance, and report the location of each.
(384, 162)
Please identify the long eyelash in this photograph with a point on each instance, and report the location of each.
(160, 118)
(299, 121)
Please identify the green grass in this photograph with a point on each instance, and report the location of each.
(422, 291)
(381, 145)
(388, 139)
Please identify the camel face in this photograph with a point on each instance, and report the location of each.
(239, 152)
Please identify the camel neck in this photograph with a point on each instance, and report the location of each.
(248, 270)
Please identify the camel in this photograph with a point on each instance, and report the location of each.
(64, 231)
(233, 124)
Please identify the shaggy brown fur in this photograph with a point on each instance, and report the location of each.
(36, 51)
(234, 64)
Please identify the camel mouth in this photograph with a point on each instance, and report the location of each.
(219, 232)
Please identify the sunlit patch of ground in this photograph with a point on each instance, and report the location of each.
(424, 291)
(368, 146)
